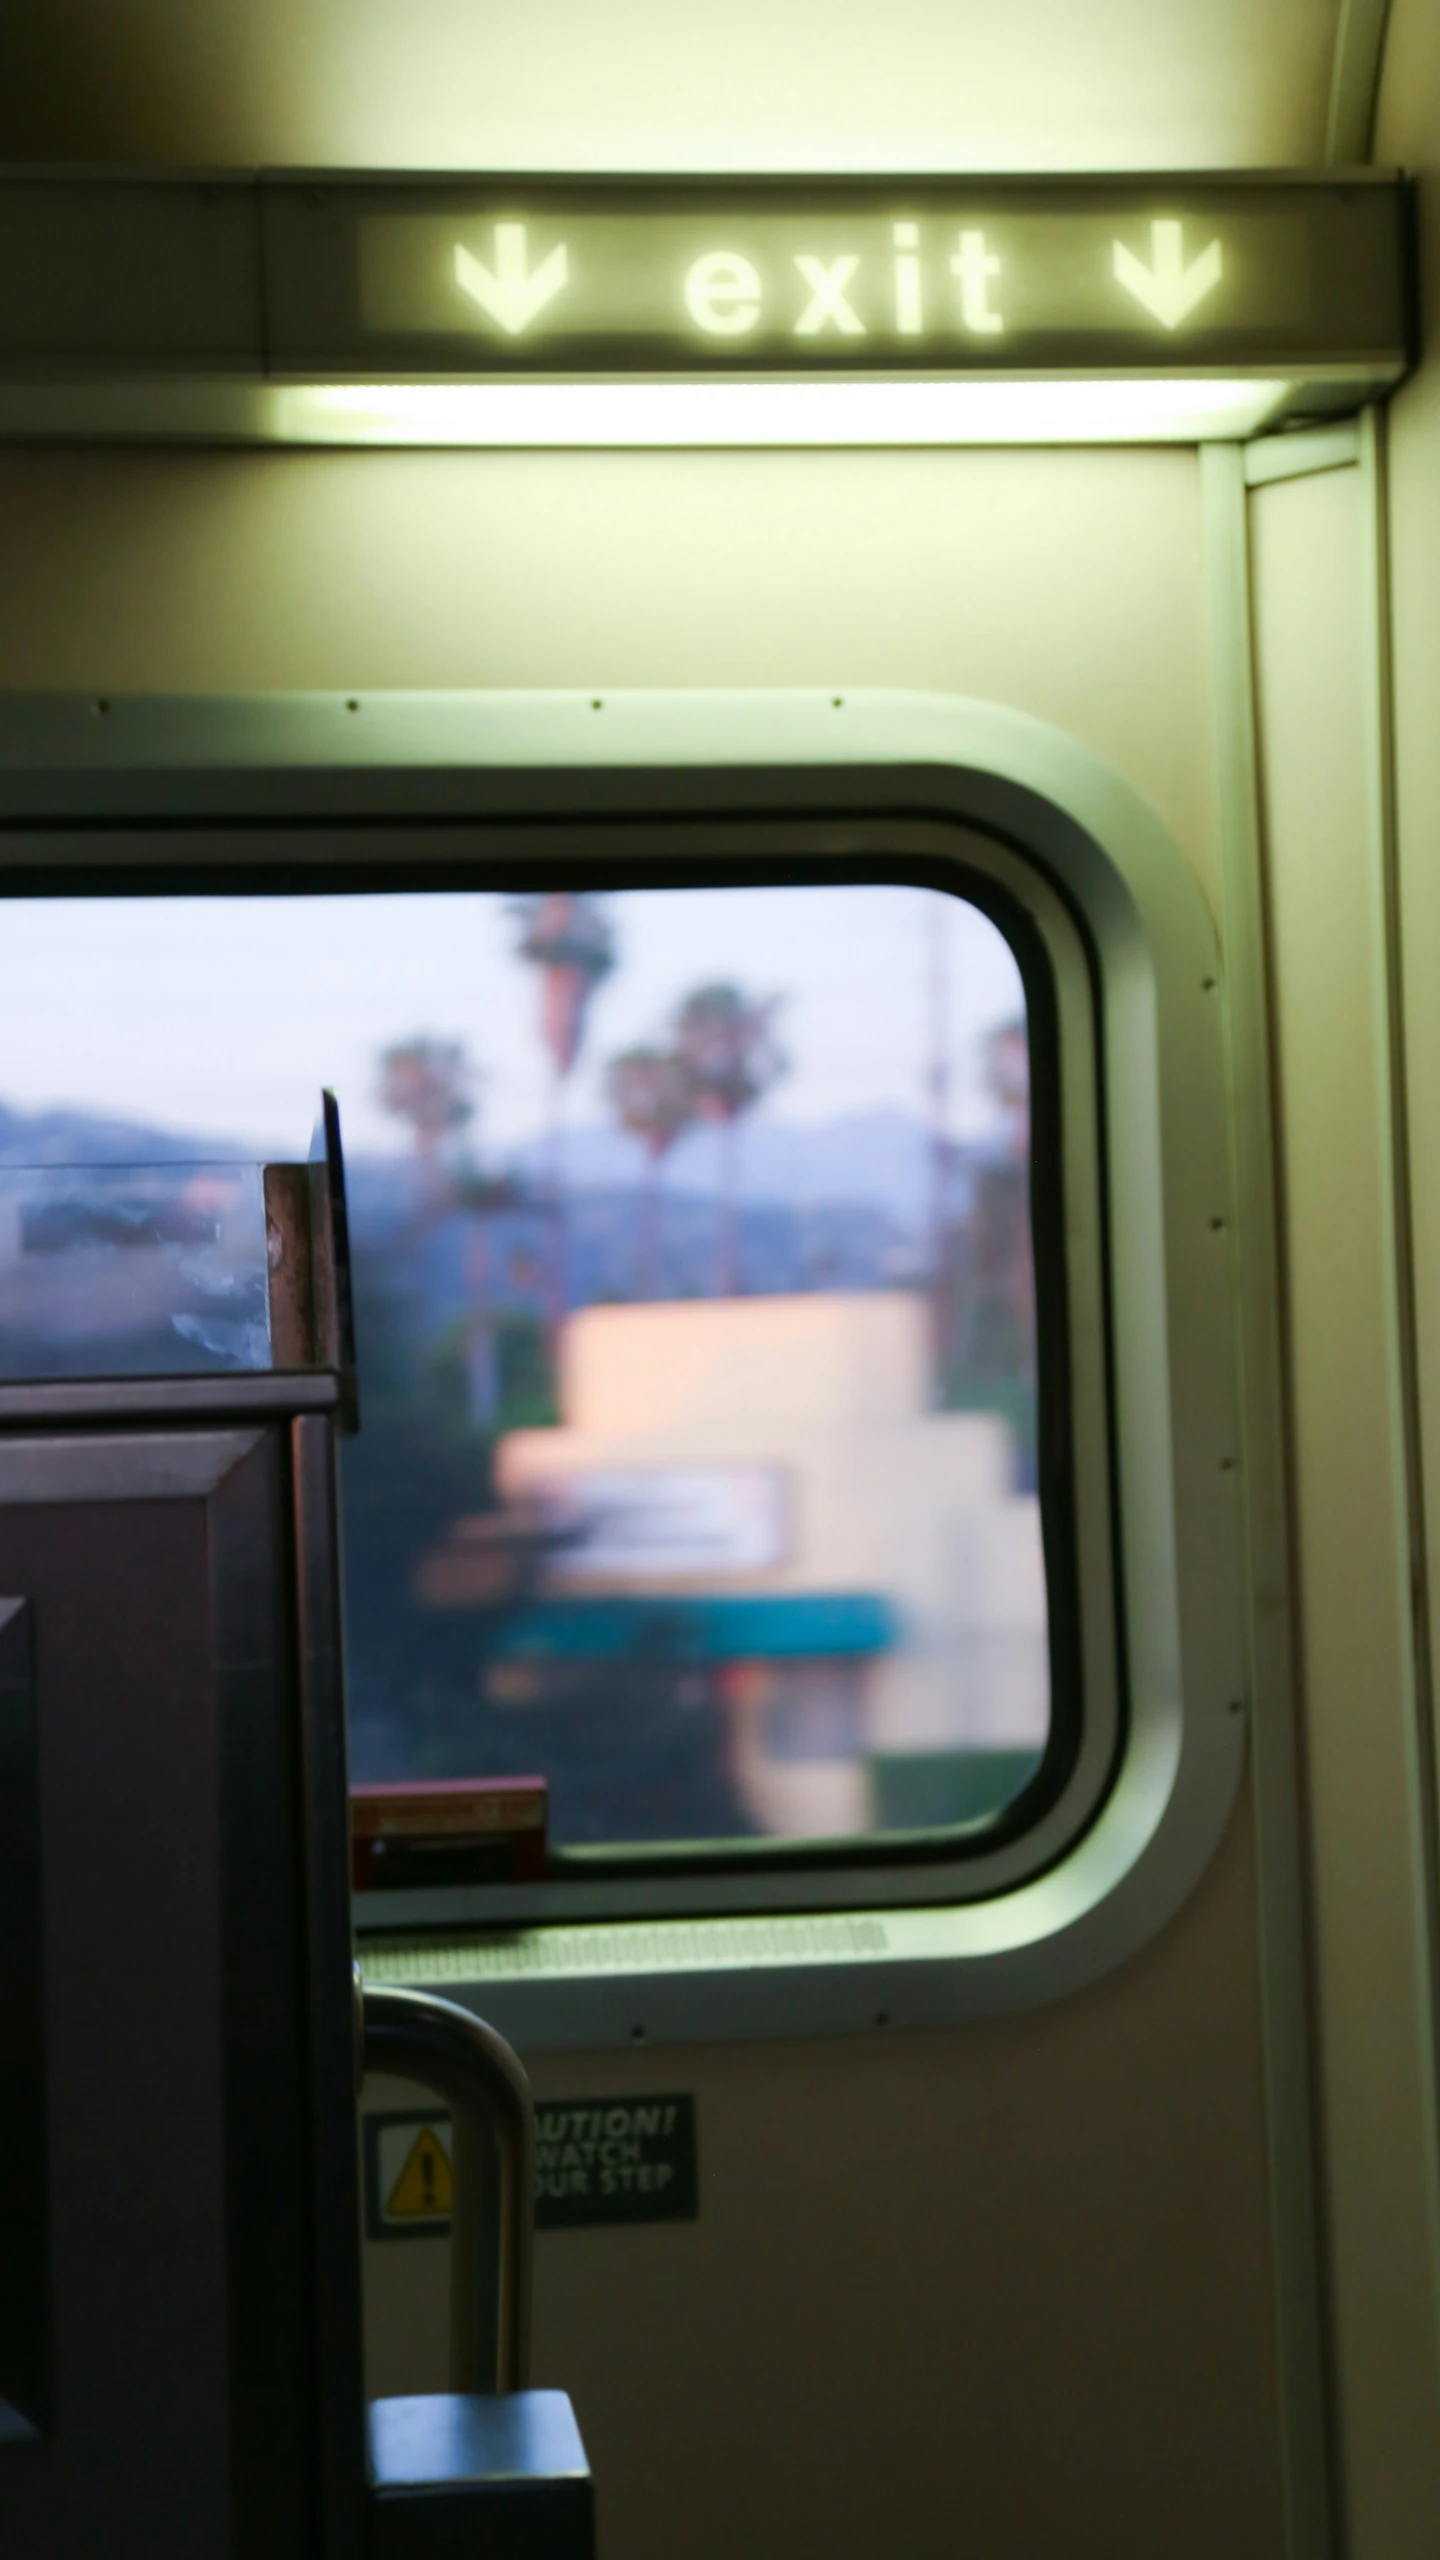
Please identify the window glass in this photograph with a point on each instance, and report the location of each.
(131, 1270)
(696, 1309)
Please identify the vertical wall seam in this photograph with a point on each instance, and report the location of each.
(1355, 81)
(1309, 2439)
(1402, 1320)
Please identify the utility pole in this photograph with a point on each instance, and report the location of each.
(938, 1079)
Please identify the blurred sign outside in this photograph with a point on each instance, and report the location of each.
(650, 1523)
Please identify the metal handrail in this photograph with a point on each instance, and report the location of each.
(492, 2153)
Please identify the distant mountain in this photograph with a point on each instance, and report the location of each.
(878, 1160)
(839, 1204)
(83, 1137)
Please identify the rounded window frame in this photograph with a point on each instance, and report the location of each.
(249, 783)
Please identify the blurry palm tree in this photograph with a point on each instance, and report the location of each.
(430, 1084)
(993, 1354)
(726, 1041)
(652, 1096)
(568, 937)
(1007, 1080)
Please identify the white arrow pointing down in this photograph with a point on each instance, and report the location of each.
(511, 295)
(1167, 287)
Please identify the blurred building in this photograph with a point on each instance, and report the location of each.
(861, 1570)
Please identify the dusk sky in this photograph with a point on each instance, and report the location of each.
(225, 1016)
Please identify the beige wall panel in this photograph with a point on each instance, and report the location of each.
(1066, 584)
(764, 84)
(1310, 636)
(1001, 2292)
(1409, 131)
(1006, 2289)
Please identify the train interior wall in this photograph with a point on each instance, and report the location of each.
(1009, 2288)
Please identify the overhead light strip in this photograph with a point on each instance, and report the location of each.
(658, 413)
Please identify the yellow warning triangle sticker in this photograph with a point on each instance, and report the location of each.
(424, 2186)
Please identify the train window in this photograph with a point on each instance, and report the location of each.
(790, 1194)
(714, 1444)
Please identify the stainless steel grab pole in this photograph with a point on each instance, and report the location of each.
(492, 2217)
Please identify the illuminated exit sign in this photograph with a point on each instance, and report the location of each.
(289, 307)
(427, 279)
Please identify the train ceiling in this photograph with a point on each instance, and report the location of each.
(779, 85)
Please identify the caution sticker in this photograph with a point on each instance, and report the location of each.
(597, 2160)
(615, 2160)
(408, 2179)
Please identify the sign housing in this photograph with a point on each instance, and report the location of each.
(291, 306)
(860, 276)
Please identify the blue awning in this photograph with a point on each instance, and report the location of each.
(750, 1627)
